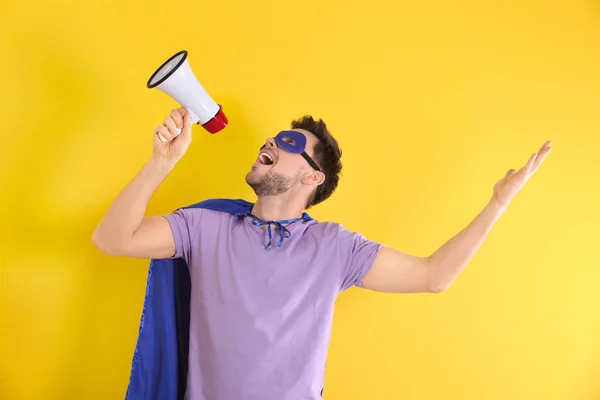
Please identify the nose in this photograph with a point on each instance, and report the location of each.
(271, 143)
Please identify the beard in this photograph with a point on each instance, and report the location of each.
(269, 184)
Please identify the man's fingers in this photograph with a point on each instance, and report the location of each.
(530, 162)
(187, 125)
(173, 128)
(177, 116)
(539, 161)
(541, 155)
(163, 133)
(546, 145)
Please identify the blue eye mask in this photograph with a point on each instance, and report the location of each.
(295, 143)
(291, 141)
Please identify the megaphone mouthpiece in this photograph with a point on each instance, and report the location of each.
(175, 78)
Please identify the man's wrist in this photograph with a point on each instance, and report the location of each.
(496, 207)
(162, 165)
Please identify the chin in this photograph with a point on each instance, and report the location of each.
(258, 169)
(254, 175)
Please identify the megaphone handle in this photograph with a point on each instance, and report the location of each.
(193, 117)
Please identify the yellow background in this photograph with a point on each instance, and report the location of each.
(432, 102)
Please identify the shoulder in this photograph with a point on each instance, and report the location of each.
(343, 239)
(352, 252)
(210, 209)
(230, 206)
(332, 231)
(217, 205)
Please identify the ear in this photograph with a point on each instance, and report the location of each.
(314, 178)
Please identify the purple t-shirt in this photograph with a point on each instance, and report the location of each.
(261, 317)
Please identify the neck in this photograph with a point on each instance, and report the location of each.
(276, 208)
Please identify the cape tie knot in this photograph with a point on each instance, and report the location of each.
(284, 232)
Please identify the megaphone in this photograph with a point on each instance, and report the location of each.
(175, 78)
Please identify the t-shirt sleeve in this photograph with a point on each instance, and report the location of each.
(359, 255)
(185, 226)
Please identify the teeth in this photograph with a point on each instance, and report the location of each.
(267, 156)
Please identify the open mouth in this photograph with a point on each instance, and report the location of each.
(265, 159)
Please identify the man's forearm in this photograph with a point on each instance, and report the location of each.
(128, 210)
(450, 259)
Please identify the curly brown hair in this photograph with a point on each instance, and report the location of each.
(327, 155)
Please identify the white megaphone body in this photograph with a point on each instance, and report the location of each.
(175, 78)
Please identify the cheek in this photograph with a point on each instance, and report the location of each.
(290, 171)
(287, 166)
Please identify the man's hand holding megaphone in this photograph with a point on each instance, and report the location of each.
(176, 78)
(173, 137)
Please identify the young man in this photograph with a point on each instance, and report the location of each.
(264, 276)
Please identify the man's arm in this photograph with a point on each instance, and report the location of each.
(396, 272)
(125, 230)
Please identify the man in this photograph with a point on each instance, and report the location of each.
(265, 275)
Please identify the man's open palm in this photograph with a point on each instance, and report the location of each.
(506, 188)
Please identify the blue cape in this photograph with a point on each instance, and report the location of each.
(160, 359)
